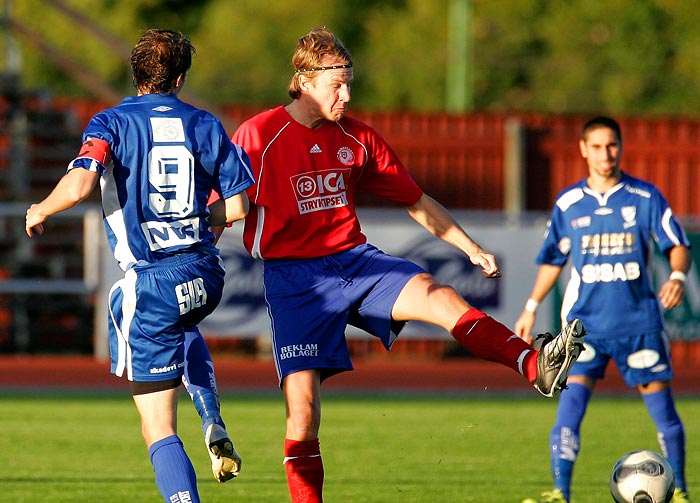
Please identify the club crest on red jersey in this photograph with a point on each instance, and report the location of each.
(346, 155)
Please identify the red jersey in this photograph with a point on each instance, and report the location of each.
(303, 200)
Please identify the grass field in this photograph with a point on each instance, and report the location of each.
(87, 448)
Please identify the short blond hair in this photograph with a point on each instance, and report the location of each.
(310, 52)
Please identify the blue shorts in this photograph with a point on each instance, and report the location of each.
(641, 359)
(152, 306)
(311, 302)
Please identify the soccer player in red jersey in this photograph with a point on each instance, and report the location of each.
(309, 161)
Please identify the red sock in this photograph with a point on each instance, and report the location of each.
(486, 338)
(304, 467)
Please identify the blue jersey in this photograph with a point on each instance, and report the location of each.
(166, 157)
(608, 238)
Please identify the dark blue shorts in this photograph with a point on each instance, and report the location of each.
(312, 301)
(152, 306)
(641, 359)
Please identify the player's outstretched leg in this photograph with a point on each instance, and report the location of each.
(556, 357)
(200, 381)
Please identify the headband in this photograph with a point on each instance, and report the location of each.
(321, 68)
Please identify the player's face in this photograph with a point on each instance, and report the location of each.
(602, 150)
(330, 91)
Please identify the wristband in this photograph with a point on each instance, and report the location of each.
(679, 275)
(531, 306)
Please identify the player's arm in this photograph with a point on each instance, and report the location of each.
(217, 214)
(74, 187)
(672, 291)
(438, 221)
(547, 276)
(236, 208)
(224, 212)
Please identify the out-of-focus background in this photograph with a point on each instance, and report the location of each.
(483, 100)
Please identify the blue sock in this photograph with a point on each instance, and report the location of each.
(175, 475)
(564, 437)
(670, 431)
(200, 381)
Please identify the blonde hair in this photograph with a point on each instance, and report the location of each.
(309, 53)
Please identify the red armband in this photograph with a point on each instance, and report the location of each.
(95, 149)
(213, 197)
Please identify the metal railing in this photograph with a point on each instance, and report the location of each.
(55, 275)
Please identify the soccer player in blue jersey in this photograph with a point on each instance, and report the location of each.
(605, 225)
(157, 160)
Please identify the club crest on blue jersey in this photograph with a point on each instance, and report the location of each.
(167, 129)
(629, 215)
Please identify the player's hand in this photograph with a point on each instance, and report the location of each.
(488, 264)
(523, 326)
(34, 222)
(671, 293)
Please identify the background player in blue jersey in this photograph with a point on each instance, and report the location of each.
(158, 159)
(606, 225)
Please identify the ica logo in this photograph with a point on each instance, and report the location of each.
(320, 190)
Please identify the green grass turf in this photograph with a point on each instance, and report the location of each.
(70, 447)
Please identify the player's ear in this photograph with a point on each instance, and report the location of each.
(180, 81)
(582, 148)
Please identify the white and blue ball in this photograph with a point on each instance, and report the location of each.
(642, 477)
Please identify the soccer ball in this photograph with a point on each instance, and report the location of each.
(642, 477)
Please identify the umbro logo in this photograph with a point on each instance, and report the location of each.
(162, 108)
(315, 149)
